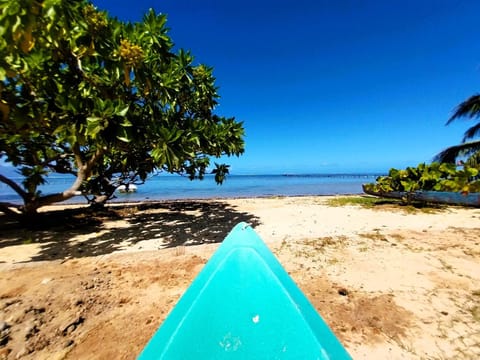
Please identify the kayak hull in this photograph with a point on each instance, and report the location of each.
(243, 305)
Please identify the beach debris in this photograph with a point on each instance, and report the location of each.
(69, 343)
(72, 325)
(342, 292)
(30, 330)
(4, 333)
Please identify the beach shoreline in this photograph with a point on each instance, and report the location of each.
(114, 203)
(391, 281)
(175, 187)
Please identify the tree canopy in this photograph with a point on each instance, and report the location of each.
(106, 101)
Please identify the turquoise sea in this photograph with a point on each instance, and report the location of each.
(170, 187)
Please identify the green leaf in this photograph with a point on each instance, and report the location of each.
(123, 111)
(124, 139)
(93, 126)
(126, 123)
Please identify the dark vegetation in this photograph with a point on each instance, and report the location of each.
(429, 177)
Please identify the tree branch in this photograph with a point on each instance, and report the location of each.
(17, 188)
(84, 171)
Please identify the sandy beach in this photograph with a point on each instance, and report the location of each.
(392, 282)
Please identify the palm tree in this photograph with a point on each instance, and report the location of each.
(469, 109)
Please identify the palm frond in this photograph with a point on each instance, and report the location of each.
(470, 108)
(449, 155)
(471, 132)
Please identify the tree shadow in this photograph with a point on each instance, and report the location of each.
(76, 233)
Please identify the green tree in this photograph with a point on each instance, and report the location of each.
(106, 101)
(469, 109)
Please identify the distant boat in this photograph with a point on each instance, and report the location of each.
(434, 197)
(124, 189)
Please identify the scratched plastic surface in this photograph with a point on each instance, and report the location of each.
(243, 305)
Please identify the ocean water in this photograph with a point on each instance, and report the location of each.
(169, 187)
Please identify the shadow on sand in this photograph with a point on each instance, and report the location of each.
(74, 233)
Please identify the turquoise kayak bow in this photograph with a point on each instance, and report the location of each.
(243, 305)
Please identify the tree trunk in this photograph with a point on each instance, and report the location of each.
(84, 171)
(33, 203)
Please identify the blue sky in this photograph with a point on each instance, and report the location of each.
(331, 86)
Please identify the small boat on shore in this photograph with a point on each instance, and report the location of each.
(124, 189)
(434, 197)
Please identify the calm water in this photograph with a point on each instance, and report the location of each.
(177, 187)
